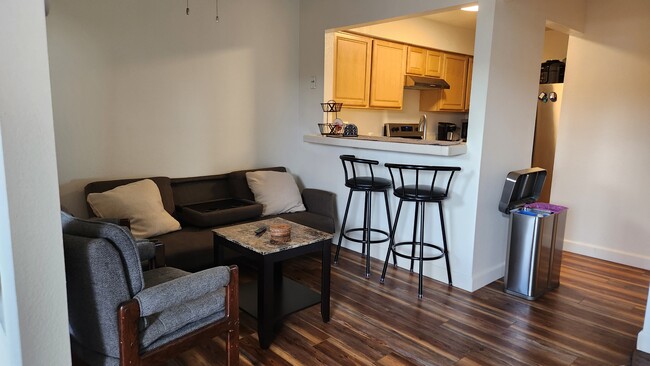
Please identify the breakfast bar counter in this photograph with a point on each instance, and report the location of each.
(397, 144)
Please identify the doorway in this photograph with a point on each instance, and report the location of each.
(549, 103)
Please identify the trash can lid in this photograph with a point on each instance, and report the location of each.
(521, 187)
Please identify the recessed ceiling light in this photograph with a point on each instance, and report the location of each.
(470, 8)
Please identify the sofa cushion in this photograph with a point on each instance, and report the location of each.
(239, 185)
(140, 202)
(163, 183)
(276, 191)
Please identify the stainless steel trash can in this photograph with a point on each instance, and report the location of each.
(536, 235)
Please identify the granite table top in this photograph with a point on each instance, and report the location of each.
(244, 235)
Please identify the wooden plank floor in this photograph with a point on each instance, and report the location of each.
(593, 318)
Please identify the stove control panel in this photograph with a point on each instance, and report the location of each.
(409, 130)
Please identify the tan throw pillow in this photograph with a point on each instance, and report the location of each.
(276, 191)
(140, 202)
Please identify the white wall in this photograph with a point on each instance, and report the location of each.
(425, 33)
(508, 105)
(509, 117)
(33, 299)
(603, 148)
(141, 89)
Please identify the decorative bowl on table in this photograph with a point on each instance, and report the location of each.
(280, 233)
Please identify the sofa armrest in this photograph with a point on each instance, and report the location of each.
(319, 202)
(159, 256)
(146, 249)
(150, 250)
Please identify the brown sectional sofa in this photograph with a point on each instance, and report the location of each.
(191, 248)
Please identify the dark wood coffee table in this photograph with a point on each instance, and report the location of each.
(273, 297)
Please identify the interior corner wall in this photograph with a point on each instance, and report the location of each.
(142, 89)
(509, 120)
(603, 151)
(34, 328)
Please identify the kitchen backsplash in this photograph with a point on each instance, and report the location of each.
(371, 121)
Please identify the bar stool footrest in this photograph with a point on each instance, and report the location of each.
(375, 241)
(417, 257)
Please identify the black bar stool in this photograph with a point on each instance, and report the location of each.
(368, 185)
(424, 190)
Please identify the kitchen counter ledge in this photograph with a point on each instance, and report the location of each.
(426, 147)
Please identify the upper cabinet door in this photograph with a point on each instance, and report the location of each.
(416, 60)
(455, 73)
(352, 55)
(433, 64)
(388, 64)
(470, 66)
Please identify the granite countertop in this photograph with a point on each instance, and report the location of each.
(404, 140)
(244, 235)
(396, 144)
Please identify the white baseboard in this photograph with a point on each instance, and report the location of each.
(488, 276)
(631, 259)
(608, 254)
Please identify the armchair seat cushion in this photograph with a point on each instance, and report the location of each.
(160, 275)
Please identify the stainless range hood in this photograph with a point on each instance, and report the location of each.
(424, 83)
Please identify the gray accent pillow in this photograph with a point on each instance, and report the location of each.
(276, 191)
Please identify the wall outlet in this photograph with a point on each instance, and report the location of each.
(312, 82)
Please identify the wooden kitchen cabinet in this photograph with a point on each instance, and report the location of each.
(434, 64)
(423, 62)
(352, 57)
(468, 89)
(387, 80)
(455, 72)
(416, 60)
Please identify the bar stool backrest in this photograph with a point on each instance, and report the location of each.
(423, 182)
(354, 165)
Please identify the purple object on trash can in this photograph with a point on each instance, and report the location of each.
(545, 206)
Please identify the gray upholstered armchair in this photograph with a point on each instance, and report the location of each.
(120, 315)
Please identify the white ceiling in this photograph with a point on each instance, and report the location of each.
(458, 18)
